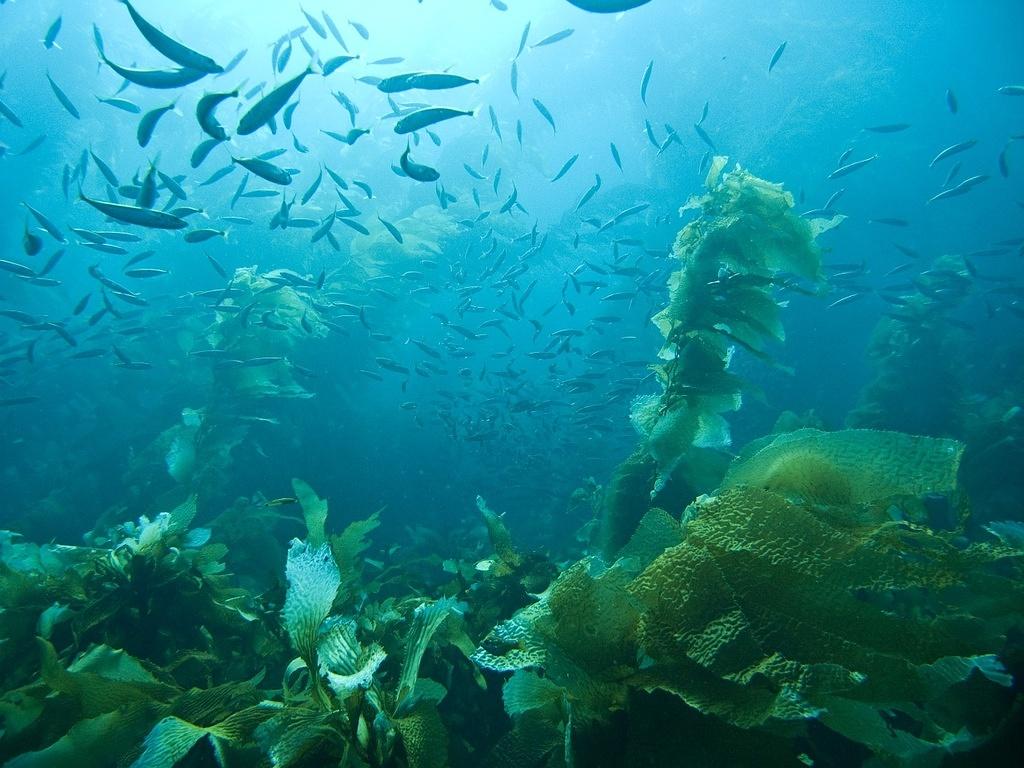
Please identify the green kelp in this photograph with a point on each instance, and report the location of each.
(746, 245)
(918, 347)
(270, 316)
(797, 592)
(149, 625)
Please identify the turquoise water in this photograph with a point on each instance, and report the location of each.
(438, 307)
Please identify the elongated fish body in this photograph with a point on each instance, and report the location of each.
(263, 111)
(63, 99)
(645, 82)
(205, 113)
(776, 56)
(156, 78)
(415, 171)
(566, 167)
(171, 48)
(424, 118)
(148, 123)
(264, 169)
(132, 214)
(545, 113)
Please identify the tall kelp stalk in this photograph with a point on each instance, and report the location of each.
(746, 247)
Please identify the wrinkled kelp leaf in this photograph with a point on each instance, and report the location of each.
(314, 510)
(313, 581)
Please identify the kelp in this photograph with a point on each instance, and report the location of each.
(793, 594)
(918, 347)
(745, 247)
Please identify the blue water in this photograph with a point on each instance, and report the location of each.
(484, 417)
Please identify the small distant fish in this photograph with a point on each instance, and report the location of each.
(122, 104)
(1011, 90)
(645, 81)
(843, 170)
(392, 229)
(522, 40)
(63, 99)
(545, 113)
(952, 150)
(951, 103)
(360, 29)
(423, 118)
(555, 38)
(332, 64)
(145, 272)
(566, 167)
(50, 41)
(890, 222)
(615, 155)
(964, 186)
(264, 169)
(776, 56)
(889, 128)
(148, 123)
(10, 115)
(845, 300)
(202, 235)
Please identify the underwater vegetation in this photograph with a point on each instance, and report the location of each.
(798, 600)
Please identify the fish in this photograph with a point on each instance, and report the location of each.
(494, 121)
(415, 171)
(108, 174)
(845, 300)
(200, 153)
(423, 81)
(149, 122)
(890, 222)
(171, 48)
(608, 6)
(263, 111)
(202, 235)
(123, 104)
(843, 170)
(145, 272)
(17, 269)
(514, 78)
(566, 167)
(555, 38)
(205, 113)
(951, 102)
(362, 31)
(7, 112)
(308, 194)
(615, 155)
(423, 118)
(333, 63)
(234, 62)
(1011, 90)
(776, 56)
(589, 193)
(50, 40)
(45, 223)
(63, 99)
(645, 82)
(964, 186)
(156, 78)
(888, 128)
(545, 113)
(392, 230)
(353, 224)
(522, 40)
(952, 150)
(704, 136)
(264, 169)
(131, 214)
